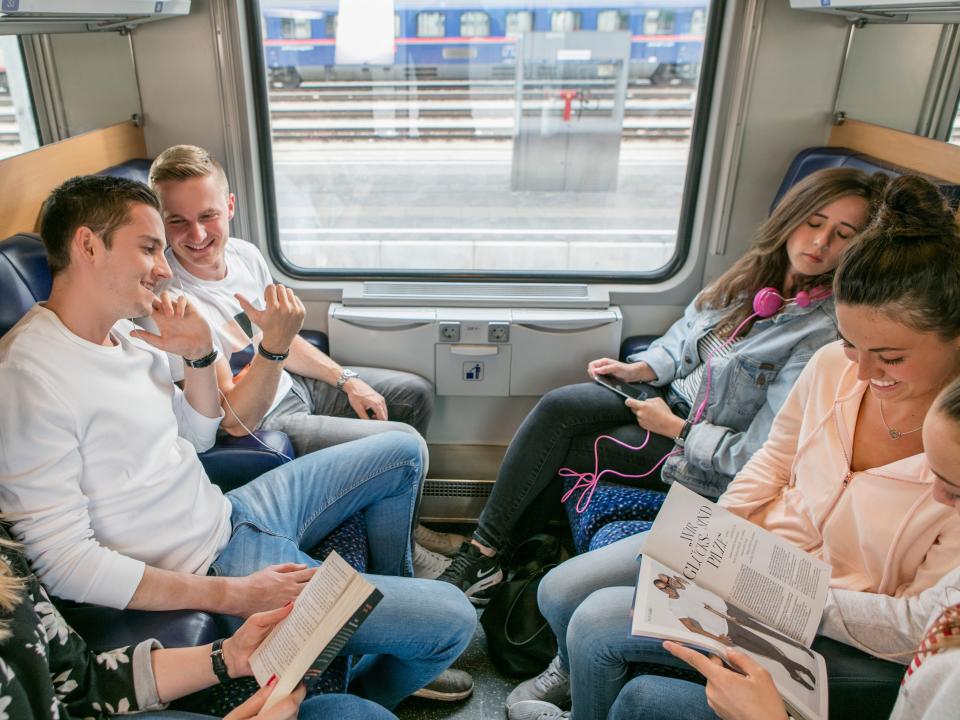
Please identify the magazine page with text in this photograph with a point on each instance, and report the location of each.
(747, 566)
(669, 607)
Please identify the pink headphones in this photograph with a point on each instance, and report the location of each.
(768, 302)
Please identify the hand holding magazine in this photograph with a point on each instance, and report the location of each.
(325, 615)
(711, 580)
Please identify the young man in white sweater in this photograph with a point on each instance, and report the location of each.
(289, 385)
(99, 474)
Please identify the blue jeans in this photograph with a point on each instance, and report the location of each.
(421, 626)
(652, 697)
(560, 432)
(588, 602)
(320, 707)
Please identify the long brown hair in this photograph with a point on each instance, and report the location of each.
(766, 263)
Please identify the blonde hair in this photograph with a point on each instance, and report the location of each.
(183, 162)
(11, 586)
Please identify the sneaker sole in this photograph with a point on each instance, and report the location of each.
(480, 586)
(443, 696)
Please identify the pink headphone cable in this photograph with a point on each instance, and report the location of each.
(766, 303)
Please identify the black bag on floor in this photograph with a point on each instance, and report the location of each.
(519, 640)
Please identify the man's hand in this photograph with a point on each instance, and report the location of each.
(237, 649)
(182, 329)
(267, 589)
(286, 709)
(281, 317)
(362, 398)
(734, 696)
(628, 372)
(656, 416)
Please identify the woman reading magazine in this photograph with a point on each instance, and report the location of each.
(924, 626)
(843, 474)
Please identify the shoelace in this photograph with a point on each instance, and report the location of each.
(552, 673)
(459, 564)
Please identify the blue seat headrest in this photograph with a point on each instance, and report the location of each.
(817, 158)
(24, 277)
(130, 170)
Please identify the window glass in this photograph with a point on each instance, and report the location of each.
(18, 128)
(518, 22)
(612, 20)
(474, 24)
(564, 20)
(430, 24)
(330, 25)
(659, 22)
(540, 146)
(293, 28)
(698, 22)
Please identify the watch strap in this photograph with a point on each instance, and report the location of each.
(203, 362)
(219, 664)
(346, 374)
(681, 437)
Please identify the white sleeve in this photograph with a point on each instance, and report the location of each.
(40, 494)
(195, 427)
(883, 625)
(261, 271)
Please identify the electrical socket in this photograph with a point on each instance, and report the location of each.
(498, 332)
(449, 332)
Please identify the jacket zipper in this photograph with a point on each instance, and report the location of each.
(844, 483)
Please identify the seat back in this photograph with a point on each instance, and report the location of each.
(24, 277)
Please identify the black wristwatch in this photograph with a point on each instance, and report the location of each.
(275, 357)
(219, 664)
(681, 437)
(203, 362)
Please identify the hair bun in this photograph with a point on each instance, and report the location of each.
(913, 208)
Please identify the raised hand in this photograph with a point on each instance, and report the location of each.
(286, 709)
(745, 695)
(269, 588)
(628, 372)
(364, 398)
(281, 317)
(182, 329)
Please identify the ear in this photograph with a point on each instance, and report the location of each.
(85, 244)
(231, 205)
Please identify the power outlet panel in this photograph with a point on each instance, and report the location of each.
(449, 332)
(498, 332)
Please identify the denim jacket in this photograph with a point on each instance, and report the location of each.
(747, 387)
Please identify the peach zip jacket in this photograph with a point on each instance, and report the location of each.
(880, 529)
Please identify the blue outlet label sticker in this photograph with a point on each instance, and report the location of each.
(473, 371)
(10, 5)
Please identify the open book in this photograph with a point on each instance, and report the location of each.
(713, 580)
(325, 615)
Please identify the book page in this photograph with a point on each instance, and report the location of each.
(325, 605)
(747, 566)
(669, 607)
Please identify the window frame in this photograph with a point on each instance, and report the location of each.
(474, 17)
(443, 23)
(622, 16)
(514, 13)
(298, 25)
(693, 179)
(577, 15)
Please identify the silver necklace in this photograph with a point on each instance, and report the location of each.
(896, 434)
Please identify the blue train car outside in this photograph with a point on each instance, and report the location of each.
(464, 39)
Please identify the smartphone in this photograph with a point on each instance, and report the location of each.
(621, 388)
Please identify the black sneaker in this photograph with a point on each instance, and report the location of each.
(473, 572)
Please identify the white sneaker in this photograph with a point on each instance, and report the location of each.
(439, 542)
(536, 710)
(428, 564)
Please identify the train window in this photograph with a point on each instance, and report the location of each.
(18, 128)
(293, 28)
(565, 20)
(658, 22)
(698, 21)
(474, 24)
(463, 151)
(330, 25)
(613, 20)
(517, 22)
(430, 24)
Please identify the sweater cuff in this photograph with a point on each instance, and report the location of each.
(660, 361)
(144, 682)
(701, 444)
